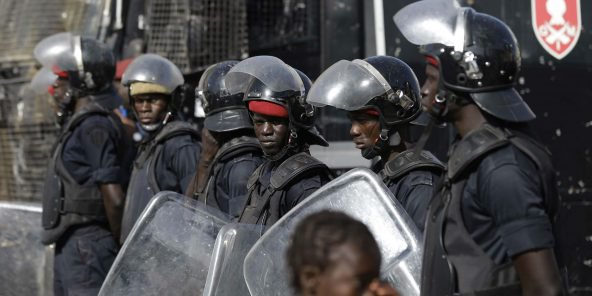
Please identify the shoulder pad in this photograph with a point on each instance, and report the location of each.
(293, 167)
(176, 128)
(408, 161)
(474, 146)
(85, 112)
(238, 146)
(255, 176)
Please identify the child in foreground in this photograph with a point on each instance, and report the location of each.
(333, 254)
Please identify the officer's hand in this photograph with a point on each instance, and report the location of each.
(378, 288)
(209, 146)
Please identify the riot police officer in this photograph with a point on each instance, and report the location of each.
(284, 126)
(224, 169)
(382, 96)
(489, 229)
(167, 157)
(83, 195)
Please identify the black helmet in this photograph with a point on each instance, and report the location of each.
(266, 78)
(153, 74)
(89, 64)
(477, 54)
(224, 112)
(383, 83)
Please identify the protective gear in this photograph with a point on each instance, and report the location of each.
(408, 161)
(42, 82)
(143, 183)
(226, 276)
(90, 65)
(382, 84)
(266, 78)
(224, 112)
(474, 271)
(265, 208)
(228, 151)
(66, 203)
(478, 55)
(169, 249)
(26, 263)
(153, 74)
(397, 237)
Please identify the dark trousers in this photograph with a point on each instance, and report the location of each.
(83, 257)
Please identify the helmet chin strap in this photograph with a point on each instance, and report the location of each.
(381, 145)
(292, 146)
(156, 126)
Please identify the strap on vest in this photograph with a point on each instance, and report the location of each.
(474, 146)
(293, 167)
(408, 161)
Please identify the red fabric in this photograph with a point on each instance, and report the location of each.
(57, 71)
(121, 67)
(432, 61)
(268, 108)
(372, 112)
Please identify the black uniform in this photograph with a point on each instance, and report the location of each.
(495, 203)
(278, 186)
(89, 153)
(230, 170)
(165, 161)
(412, 182)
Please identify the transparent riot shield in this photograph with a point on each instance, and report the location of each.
(168, 250)
(361, 194)
(27, 265)
(226, 277)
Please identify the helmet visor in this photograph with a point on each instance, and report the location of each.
(346, 85)
(152, 68)
(58, 51)
(42, 80)
(276, 75)
(428, 22)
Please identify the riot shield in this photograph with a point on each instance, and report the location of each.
(168, 250)
(361, 194)
(27, 265)
(226, 277)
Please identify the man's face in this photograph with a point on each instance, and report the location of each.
(429, 89)
(365, 129)
(60, 87)
(272, 132)
(349, 273)
(150, 108)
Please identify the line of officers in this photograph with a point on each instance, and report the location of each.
(487, 216)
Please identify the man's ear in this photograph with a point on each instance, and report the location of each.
(309, 279)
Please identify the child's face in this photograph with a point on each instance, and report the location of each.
(350, 272)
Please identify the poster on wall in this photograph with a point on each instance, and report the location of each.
(557, 25)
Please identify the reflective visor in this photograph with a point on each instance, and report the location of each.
(429, 22)
(346, 85)
(276, 75)
(59, 51)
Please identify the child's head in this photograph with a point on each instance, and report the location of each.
(332, 254)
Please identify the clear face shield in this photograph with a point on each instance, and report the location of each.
(169, 249)
(60, 51)
(276, 75)
(432, 22)
(362, 195)
(348, 86)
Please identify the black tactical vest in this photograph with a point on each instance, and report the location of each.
(406, 162)
(264, 208)
(65, 202)
(143, 184)
(231, 149)
(453, 263)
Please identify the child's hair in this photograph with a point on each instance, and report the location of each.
(319, 234)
